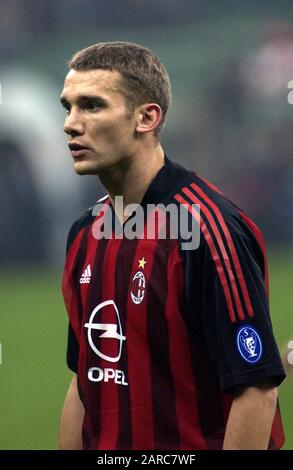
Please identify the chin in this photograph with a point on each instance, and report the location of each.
(83, 168)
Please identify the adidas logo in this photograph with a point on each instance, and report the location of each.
(86, 276)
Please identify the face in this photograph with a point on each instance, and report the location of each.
(100, 129)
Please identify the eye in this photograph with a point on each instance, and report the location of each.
(93, 105)
(66, 108)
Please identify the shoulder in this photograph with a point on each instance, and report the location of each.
(223, 225)
(230, 262)
(83, 222)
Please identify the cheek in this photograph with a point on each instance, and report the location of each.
(105, 130)
(115, 130)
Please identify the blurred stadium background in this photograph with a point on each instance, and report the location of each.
(230, 63)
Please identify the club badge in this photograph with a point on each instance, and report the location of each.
(138, 284)
(249, 344)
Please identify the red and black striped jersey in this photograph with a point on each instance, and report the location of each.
(161, 337)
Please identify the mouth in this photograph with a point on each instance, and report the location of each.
(77, 150)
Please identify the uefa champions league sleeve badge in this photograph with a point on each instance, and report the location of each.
(249, 344)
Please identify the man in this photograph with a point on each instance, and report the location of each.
(171, 348)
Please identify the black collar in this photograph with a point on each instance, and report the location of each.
(165, 183)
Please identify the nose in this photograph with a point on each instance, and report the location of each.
(73, 124)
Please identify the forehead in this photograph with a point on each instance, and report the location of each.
(81, 82)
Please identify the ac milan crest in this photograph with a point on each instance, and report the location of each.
(138, 287)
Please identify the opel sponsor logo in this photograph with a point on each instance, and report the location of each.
(95, 374)
(111, 331)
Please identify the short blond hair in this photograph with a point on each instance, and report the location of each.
(144, 78)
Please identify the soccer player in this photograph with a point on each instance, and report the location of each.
(171, 346)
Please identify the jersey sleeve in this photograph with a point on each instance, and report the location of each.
(234, 311)
(68, 289)
(72, 350)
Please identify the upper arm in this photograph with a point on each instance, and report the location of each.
(72, 350)
(71, 419)
(266, 389)
(72, 398)
(232, 306)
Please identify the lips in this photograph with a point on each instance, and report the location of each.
(77, 149)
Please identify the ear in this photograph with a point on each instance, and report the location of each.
(149, 117)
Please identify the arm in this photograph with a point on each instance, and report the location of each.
(70, 437)
(251, 417)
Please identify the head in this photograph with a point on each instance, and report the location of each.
(116, 96)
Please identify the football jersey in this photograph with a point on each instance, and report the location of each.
(162, 336)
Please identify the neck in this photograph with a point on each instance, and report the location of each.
(131, 177)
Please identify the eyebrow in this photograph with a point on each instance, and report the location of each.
(84, 99)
